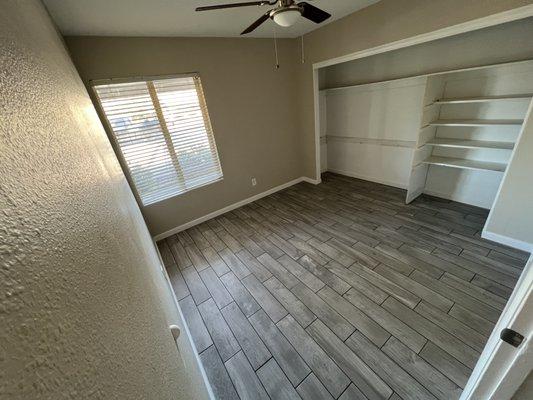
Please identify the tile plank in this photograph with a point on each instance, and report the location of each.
(491, 286)
(475, 291)
(295, 307)
(275, 382)
(285, 246)
(302, 274)
(446, 364)
(253, 347)
(288, 359)
(359, 373)
(324, 275)
(391, 262)
(457, 296)
(179, 253)
(322, 366)
(214, 240)
(218, 265)
(312, 389)
(219, 293)
(322, 310)
(178, 283)
(240, 294)
(371, 291)
(371, 329)
(399, 380)
(471, 319)
(239, 269)
(386, 285)
(253, 265)
(223, 338)
(332, 252)
(352, 393)
(437, 262)
(388, 321)
(437, 335)
(200, 335)
(196, 286)
(414, 262)
(310, 251)
(263, 297)
(196, 257)
(489, 273)
(278, 270)
(217, 375)
(432, 297)
(453, 326)
(359, 257)
(198, 238)
(440, 386)
(244, 378)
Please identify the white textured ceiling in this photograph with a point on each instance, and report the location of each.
(178, 18)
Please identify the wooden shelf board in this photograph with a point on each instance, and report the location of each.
(485, 99)
(470, 144)
(476, 122)
(465, 164)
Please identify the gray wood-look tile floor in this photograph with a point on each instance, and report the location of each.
(341, 291)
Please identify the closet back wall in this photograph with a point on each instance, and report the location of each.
(251, 106)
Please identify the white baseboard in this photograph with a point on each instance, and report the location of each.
(368, 178)
(233, 206)
(309, 180)
(514, 243)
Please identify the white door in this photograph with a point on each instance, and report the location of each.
(502, 367)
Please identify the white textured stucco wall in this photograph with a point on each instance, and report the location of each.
(84, 308)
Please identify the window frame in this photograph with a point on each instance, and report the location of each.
(93, 83)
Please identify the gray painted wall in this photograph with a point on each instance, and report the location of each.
(251, 108)
(498, 44)
(84, 308)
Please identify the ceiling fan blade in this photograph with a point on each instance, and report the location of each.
(234, 5)
(313, 13)
(261, 19)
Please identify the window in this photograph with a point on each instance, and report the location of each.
(162, 131)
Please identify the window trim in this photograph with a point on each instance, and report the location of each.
(116, 147)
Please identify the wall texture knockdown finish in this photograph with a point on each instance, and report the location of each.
(84, 307)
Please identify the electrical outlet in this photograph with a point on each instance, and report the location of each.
(254, 181)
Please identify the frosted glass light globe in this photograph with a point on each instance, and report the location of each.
(287, 17)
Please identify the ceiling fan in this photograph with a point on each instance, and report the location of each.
(285, 13)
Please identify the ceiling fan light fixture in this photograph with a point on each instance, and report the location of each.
(287, 17)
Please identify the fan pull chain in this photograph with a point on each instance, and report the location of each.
(276, 48)
(303, 50)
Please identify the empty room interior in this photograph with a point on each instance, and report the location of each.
(279, 199)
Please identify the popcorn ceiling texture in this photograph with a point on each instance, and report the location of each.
(84, 308)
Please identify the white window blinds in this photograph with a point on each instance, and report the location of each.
(161, 128)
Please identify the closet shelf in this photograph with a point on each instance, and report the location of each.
(465, 164)
(476, 122)
(485, 99)
(470, 144)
